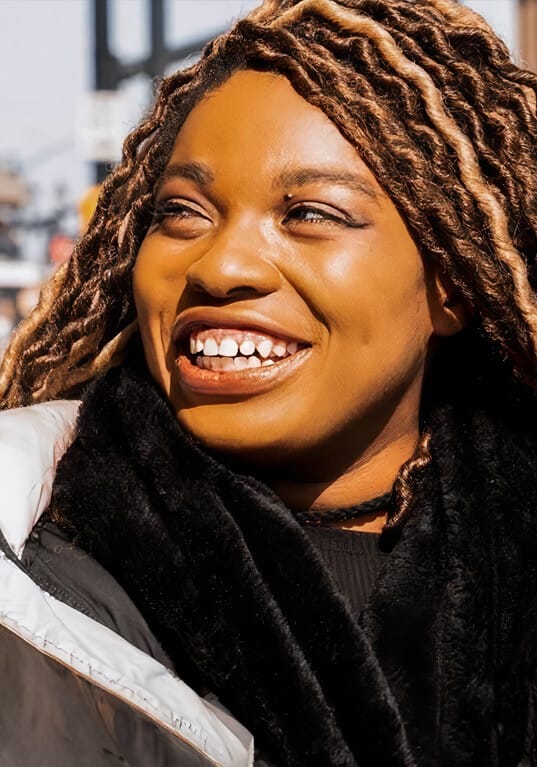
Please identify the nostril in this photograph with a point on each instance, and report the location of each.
(240, 291)
(221, 290)
(220, 293)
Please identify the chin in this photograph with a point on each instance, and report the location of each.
(253, 443)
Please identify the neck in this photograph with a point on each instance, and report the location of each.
(370, 476)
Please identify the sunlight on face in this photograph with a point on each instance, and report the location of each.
(282, 302)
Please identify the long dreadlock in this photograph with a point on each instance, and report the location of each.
(429, 97)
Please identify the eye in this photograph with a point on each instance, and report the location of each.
(320, 215)
(182, 218)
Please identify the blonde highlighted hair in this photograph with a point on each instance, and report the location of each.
(429, 97)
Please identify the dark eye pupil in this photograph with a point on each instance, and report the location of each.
(180, 210)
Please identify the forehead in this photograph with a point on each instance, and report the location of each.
(256, 123)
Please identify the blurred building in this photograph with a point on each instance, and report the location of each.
(13, 191)
(528, 32)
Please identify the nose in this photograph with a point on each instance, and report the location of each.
(236, 265)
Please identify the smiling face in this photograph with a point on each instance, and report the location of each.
(282, 303)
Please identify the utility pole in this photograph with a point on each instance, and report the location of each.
(528, 32)
(105, 70)
(109, 72)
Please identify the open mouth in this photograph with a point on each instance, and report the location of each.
(231, 350)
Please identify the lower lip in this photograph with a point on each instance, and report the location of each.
(239, 382)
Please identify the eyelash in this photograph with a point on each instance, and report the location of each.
(324, 218)
(170, 209)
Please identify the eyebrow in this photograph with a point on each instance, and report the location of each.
(301, 176)
(202, 175)
(197, 172)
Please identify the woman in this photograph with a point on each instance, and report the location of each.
(302, 325)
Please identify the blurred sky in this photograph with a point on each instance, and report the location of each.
(45, 67)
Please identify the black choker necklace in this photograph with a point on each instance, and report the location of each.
(329, 516)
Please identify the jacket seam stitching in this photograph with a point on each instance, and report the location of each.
(93, 672)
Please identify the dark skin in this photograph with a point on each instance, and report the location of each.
(269, 223)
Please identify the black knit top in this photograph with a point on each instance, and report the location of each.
(353, 559)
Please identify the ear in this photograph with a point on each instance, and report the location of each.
(449, 311)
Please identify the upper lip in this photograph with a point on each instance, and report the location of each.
(211, 317)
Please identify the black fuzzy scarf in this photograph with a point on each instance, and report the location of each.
(442, 668)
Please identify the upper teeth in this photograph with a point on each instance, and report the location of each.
(220, 342)
(247, 347)
(228, 347)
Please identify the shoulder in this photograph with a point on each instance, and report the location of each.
(32, 441)
(74, 644)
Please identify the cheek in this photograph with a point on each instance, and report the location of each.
(147, 298)
(401, 287)
(155, 298)
(381, 320)
(372, 295)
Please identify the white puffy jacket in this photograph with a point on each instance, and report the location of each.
(84, 682)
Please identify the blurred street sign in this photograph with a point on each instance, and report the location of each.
(101, 125)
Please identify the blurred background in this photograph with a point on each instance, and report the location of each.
(75, 76)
